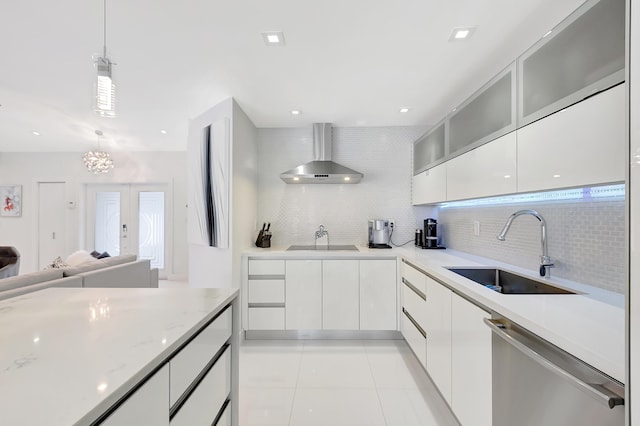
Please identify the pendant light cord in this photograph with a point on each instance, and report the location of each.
(104, 49)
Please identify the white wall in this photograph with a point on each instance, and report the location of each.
(217, 267)
(382, 154)
(27, 169)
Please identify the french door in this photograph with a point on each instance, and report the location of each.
(128, 219)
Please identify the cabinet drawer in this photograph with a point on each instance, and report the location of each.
(416, 341)
(225, 418)
(266, 291)
(266, 267)
(266, 318)
(203, 405)
(415, 277)
(146, 406)
(190, 361)
(415, 305)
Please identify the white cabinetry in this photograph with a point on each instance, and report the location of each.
(148, 405)
(340, 295)
(191, 389)
(438, 329)
(378, 299)
(266, 294)
(580, 145)
(430, 186)
(190, 361)
(208, 397)
(412, 320)
(471, 364)
(303, 306)
(487, 170)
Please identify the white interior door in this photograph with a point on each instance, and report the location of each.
(51, 222)
(129, 219)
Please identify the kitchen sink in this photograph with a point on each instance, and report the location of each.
(325, 248)
(507, 282)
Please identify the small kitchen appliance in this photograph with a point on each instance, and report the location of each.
(430, 233)
(379, 233)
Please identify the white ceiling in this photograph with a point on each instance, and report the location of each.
(349, 62)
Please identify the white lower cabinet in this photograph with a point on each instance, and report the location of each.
(438, 330)
(225, 418)
(416, 341)
(471, 364)
(378, 298)
(340, 295)
(148, 405)
(266, 318)
(303, 306)
(209, 396)
(190, 361)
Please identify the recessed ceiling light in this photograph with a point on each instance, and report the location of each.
(164, 132)
(556, 176)
(507, 176)
(461, 33)
(273, 38)
(36, 133)
(404, 110)
(296, 112)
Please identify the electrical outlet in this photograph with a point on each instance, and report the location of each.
(392, 224)
(476, 228)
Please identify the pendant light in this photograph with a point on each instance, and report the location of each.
(98, 162)
(105, 90)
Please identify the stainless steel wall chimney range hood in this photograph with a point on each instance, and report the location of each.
(322, 169)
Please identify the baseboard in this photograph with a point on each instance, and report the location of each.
(323, 335)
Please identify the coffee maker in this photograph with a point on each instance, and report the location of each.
(430, 233)
(379, 233)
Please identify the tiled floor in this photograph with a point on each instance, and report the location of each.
(336, 383)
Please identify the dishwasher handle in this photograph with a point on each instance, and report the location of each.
(603, 394)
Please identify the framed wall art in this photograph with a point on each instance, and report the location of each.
(10, 200)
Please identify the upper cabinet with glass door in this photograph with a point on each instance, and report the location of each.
(429, 150)
(583, 55)
(486, 115)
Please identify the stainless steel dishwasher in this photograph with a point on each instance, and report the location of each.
(536, 383)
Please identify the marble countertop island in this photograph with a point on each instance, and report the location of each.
(68, 354)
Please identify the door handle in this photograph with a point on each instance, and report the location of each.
(124, 230)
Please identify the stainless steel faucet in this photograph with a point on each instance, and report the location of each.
(545, 260)
(321, 232)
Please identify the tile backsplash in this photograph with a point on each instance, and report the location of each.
(586, 238)
(382, 154)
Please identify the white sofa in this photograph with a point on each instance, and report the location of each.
(117, 271)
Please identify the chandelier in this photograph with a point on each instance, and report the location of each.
(98, 162)
(105, 89)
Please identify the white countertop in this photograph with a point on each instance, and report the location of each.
(282, 252)
(589, 325)
(68, 354)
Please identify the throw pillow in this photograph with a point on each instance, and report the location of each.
(80, 257)
(57, 263)
(103, 255)
(95, 254)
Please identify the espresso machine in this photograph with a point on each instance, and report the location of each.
(379, 233)
(428, 239)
